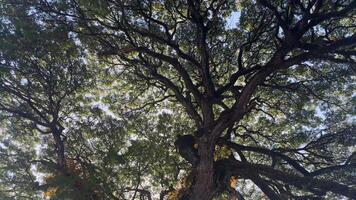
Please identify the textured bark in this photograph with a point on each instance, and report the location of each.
(203, 187)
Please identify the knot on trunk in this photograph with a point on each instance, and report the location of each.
(187, 147)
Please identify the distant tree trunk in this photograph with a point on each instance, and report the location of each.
(59, 145)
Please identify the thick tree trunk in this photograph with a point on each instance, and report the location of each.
(203, 185)
(59, 145)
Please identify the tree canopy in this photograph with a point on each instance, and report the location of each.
(177, 99)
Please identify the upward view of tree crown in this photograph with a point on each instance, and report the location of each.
(177, 99)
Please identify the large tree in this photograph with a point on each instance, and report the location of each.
(270, 81)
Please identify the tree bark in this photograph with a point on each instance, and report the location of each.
(59, 145)
(203, 185)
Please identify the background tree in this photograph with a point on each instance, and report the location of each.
(41, 71)
(275, 89)
(58, 140)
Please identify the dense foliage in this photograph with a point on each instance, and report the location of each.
(177, 99)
